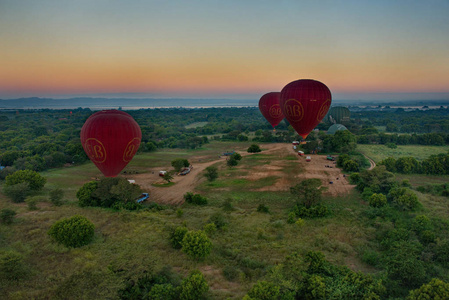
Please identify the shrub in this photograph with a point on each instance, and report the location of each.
(291, 218)
(227, 205)
(74, 232)
(263, 208)
(12, 266)
(199, 200)
(194, 286)
(196, 244)
(421, 223)
(219, 220)
(180, 163)
(377, 200)
(210, 228)
(33, 201)
(35, 180)
(237, 156)
(230, 273)
(254, 148)
(442, 252)
(366, 194)
(351, 166)
(56, 196)
(164, 291)
(195, 199)
(264, 290)
(354, 178)
(435, 289)
(315, 287)
(17, 192)
(317, 211)
(179, 213)
(231, 162)
(84, 194)
(300, 222)
(7, 216)
(176, 237)
(404, 198)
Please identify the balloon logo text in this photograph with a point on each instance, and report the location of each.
(294, 110)
(323, 110)
(95, 150)
(131, 149)
(275, 111)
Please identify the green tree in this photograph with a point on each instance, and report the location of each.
(435, 289)
(125, 192)
(231, 162)
(264, 290)
(35, 180)
(84, 194)
(56, 196)
(315, 287)
(73, 232)
(12, 266)
(196, 244)
(351, 166)
(177, 235)
(194, 286)
(237, 156)
(164, 291)
(308, 191)
(168, 177)
(377, 200)
(254, 148)
(180, 163)
(211, 173)
(17, 192)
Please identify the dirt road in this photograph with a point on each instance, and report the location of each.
(316, 168)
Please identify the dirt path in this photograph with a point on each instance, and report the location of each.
(372, 163)
(316, 168)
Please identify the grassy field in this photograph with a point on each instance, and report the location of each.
(380, 152)
(127, 244)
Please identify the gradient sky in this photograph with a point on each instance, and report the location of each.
(228, 48)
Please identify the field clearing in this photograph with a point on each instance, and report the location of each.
(381, 152)
(127, 244)
(196, 125)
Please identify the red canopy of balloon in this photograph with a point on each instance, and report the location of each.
(304, 103)
(270, 108)
(110, 139)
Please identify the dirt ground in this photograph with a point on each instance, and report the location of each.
(318, 167)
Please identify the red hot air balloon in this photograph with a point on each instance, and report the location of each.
(270, 109)
(304, 104)
(110, 139)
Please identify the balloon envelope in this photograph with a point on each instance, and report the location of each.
(304, 104)
(110, 139)
(270, 108)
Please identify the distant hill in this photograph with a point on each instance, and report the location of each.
(132, 103)
(128, 103)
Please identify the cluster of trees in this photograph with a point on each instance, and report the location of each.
(433, 139)
(313, 277)
(433, 165)
(399, 120)
(166, 285)
(115, 192)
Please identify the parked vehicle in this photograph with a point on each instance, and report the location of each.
(143, 197)
(162, 173)
(184, 171)
(228, 153)
(330, 157)
(295, 143)
(300, 153)
(308, 158)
